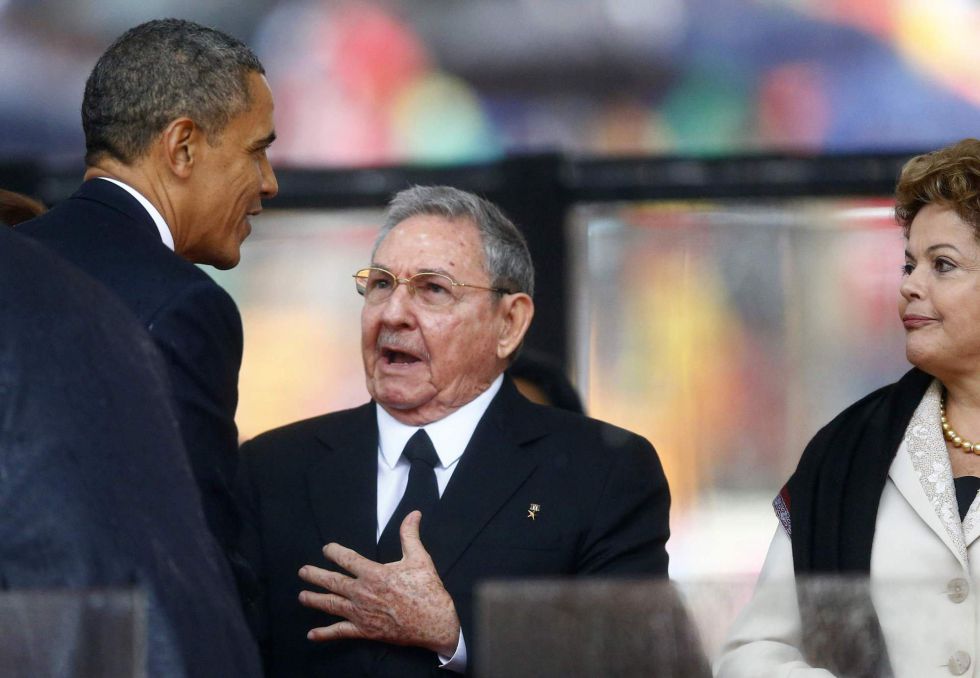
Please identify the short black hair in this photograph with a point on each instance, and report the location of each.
(157, 72)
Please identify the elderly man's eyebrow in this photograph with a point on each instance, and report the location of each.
(441, 271)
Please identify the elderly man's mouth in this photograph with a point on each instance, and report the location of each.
(399, 357)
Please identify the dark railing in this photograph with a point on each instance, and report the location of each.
(537, 192)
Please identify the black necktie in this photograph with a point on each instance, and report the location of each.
(421, 494)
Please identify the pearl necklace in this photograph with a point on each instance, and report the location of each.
(951, 435)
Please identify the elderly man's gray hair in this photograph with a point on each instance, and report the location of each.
(157, 72)
(505, 253)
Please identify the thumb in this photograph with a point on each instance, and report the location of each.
(409, 535)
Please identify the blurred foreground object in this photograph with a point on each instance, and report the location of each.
(84, 634)
(580, 629)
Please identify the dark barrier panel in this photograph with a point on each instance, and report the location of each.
(76, 634)
(586, 628)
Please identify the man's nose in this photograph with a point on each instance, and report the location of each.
(269, 186)
(397, 309)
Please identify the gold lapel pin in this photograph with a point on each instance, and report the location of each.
(532, 511)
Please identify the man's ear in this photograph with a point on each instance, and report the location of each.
(516, 310)
(180, 141)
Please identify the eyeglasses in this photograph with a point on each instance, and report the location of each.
(432, 289)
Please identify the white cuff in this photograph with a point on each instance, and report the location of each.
(457, 662)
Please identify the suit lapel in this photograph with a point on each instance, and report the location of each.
(342, 482)
(922, 473)
(971, 526)
(905, 477)
(491, 469)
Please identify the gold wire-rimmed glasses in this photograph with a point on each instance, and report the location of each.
(432, 289)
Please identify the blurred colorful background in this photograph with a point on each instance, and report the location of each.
(367, 82)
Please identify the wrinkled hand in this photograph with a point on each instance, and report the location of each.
(403, 603)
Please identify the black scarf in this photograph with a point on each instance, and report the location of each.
(832, 500)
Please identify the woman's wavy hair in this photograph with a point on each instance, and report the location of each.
(949, 177)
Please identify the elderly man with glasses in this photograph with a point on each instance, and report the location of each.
(448, 477)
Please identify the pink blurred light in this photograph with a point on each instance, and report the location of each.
(792, 107)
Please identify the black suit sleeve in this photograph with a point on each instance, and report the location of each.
(255, 596)
(629, 532)
(199, 333)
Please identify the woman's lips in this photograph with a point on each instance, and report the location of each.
(913, 322)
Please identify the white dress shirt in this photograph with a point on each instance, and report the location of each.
(165, 235)
(449, 436)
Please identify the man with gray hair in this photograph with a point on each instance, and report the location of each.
(177, 121)
(448, 477)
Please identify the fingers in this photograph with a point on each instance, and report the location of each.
(332, 581)
(343, 629)
(349, 559)
(408, 532)
(330, 603)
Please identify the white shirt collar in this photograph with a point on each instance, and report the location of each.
(165, 235)
(450, 435)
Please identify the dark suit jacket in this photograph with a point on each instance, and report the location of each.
(95, 489)
(105, 232)
(603, 511)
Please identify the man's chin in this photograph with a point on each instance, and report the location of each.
(412, 411)
(226, 264)
(227, 259)
(221, 258)
(394, 404)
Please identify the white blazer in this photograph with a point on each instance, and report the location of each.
(925, 573)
